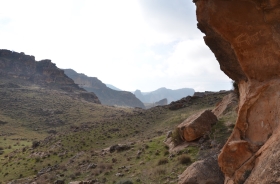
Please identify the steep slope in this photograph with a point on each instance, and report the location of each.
(161, 93)
(21, 69)
(245, 38)
(106, 95)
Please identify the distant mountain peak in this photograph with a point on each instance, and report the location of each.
(162, 93)
(106, 95)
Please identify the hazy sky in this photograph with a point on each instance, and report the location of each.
(131, 44)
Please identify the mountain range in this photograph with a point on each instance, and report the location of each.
(107, 96)
(54, 131)
(161, 93)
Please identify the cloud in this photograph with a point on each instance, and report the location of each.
(132, 44)
(175, 18)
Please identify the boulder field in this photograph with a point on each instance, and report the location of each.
(244, 35)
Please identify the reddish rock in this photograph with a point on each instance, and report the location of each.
(245, 38)
(197, 125)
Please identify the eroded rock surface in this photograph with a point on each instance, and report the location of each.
(197, 125)
(244, 35)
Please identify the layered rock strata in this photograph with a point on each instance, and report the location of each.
(244, 35)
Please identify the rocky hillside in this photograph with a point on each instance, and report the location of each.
(245, 38)
(48, 136)
(20, 69)
(161, 93)
(106, 95)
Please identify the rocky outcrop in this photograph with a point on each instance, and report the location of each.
(204, 171)
(23, 69)
(244, 35)
(197, 125)
(106, 95)
(19, 65)
(229, 102)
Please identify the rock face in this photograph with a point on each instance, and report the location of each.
(202, 172)
(106, 95)
(19, 65)
(244, 35)
(24, 70)
(197, 125)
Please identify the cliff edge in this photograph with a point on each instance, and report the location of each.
(18, 68)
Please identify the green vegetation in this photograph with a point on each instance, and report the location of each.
(51, 135)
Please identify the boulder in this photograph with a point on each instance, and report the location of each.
(244, 35)
(205, 171)
(197, 125)
(228, 103)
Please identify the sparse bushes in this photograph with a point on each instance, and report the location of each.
(37, 159)
(184, 159)
(35, 144)
(160, 171)
(126, 181)
(162, 161)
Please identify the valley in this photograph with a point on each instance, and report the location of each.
(50, 135)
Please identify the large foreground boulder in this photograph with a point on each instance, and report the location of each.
(205, 171)
(197, 125)
(244, 35)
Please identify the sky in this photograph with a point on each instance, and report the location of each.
(131, 44)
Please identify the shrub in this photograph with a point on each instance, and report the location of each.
(126, 181)
(184, 159)
(35, 144)
(176, 138)
(162, 161)
(160, 171)
(37, 159)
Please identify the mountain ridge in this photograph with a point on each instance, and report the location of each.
(106, 95)
(24, 70)
(163, 92)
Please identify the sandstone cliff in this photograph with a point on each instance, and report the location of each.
(244, 35)
(22, 69)
(106, 95)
